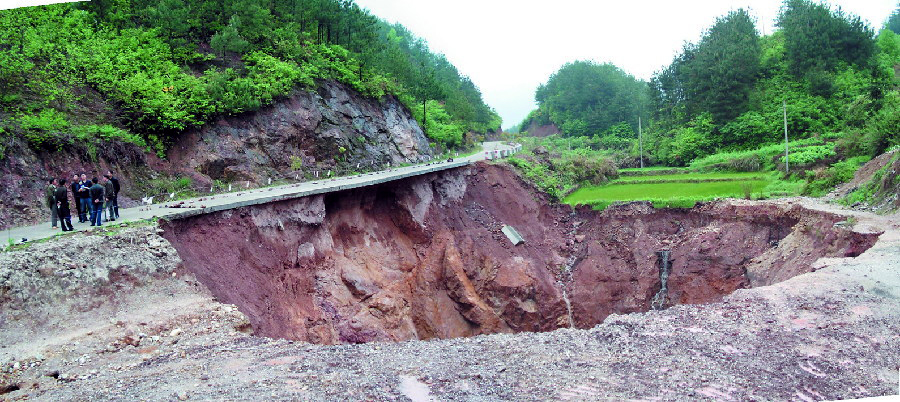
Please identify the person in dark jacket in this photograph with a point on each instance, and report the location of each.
(51, 201)
(61, 197)
(116, 188)
(76, 198)
(109, 192)
(96, 199)
(84, 192)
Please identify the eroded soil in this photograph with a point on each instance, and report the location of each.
(425, 258)
(826, 330)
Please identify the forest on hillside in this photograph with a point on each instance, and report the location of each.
(141, 71)
(725, 94)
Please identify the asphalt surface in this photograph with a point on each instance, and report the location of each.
(219, 202)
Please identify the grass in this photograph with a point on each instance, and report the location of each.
(662, 191)
(680, 190)
(690, 177)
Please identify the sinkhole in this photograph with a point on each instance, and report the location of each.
(426, 258)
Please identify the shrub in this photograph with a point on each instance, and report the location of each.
(162, 187)
(557, 165)
(766, 155)
(840, 172)
(810, 155)
(440, 126)
(44, 126)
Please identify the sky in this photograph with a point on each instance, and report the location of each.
(509, 47)
(7, 4)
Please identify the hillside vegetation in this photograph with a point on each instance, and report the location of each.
(141, 71)
(720, 104)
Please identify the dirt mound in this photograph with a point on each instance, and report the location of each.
(862, 176)
(888, 195)
(426, 258)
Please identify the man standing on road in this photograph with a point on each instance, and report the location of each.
(76, 198)
(50, 199)
(84, 192)
(61, 198)
(96, 199)
(116, 189)
(110, 194)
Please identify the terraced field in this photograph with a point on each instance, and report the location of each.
(677, 189)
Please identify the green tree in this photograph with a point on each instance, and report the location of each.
(229, 40)
(173, 17)
(667, 87)
(817, 39)
(584, 98)
(893, 22)
(149, 59)
(252, 19)
(721, 71)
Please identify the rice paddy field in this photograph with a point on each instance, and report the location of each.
(677, 189)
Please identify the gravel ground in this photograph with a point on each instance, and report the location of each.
(829, 334)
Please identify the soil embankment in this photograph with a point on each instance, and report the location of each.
(425, 258)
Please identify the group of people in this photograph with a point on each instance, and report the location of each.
(93, 199)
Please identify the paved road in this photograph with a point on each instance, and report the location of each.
(219, 202)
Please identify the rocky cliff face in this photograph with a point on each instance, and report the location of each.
(546, 130)
(332, 129)
(425, 258)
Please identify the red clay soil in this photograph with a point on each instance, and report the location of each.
(714, 248)
(425, 258)
(420, 258)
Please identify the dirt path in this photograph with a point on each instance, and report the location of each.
(828, 334)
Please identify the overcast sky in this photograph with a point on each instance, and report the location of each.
(509, 47)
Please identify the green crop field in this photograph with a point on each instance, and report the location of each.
(675, 190)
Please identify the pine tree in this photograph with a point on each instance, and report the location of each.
(723, 69)
(229, 40)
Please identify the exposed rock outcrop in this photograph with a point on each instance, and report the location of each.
(331, 129)
(546, 130)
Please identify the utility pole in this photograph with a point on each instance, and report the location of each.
(786, 166)
(641, 142)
